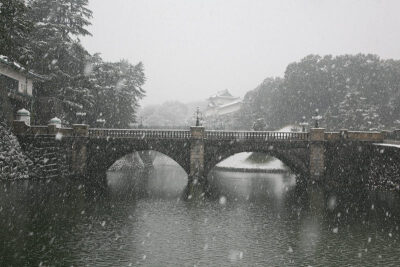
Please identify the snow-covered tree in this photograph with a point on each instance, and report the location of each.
(58, 53)
(117, 89)
(350, 91)
(15, 27)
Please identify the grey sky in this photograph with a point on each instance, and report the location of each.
(193, 48)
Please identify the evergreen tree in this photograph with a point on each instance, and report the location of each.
(117, 88)
(45, 33)
(15, 27)
(350, 91)
(59, 54)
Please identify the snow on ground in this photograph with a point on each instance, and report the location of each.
(389, 145)
(240, 161)
(290, 128)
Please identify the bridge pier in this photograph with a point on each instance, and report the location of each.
(317, 153)
(79, 149)
(196, 178)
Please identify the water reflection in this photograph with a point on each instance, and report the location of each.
(140, 219)
(251, 186)
(165, 182)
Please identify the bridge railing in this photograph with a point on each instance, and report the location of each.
(140, 134)
(182, 134)
(354, 135)
(393, 135)
(256, 135)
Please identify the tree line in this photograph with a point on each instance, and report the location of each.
(357, 92)
(43, 35)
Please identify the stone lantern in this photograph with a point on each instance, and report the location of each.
(56, 122)
(24, 115)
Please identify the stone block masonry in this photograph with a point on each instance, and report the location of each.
(317, 153)
(197, 152)
(47, 154)
(55, 151)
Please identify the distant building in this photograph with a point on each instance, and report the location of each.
(220, 109)
(15, 78)
(222, 103)
(16, 88)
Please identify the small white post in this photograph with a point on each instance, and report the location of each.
(24, 115)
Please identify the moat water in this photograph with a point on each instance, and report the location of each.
(251, 219)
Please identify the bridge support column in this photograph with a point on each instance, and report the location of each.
(79, 149)
(197, 180)
(317, 153)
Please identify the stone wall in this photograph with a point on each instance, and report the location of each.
(48, 153)
(54, 151)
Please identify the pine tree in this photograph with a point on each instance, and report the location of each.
(350, 91)
(117, 88)
(58, 53)
(15, 27)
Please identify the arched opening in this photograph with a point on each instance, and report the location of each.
(251, 175)
(147, 173)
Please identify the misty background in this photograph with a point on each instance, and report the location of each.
(192, 49)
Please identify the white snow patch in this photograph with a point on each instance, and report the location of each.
(59, 136)
(222, 200)
(235, 255)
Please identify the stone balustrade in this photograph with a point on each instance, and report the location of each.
(355, 136)
(139, 134)
(256, 135)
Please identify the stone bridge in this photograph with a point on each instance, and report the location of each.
(85, 151)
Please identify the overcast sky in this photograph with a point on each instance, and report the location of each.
(192, 48)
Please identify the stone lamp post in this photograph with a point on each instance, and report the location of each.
(100, 122)
(56, 122)
(303, 124)
(317, 118)
(24, 115)
(81, 116)
(198, 117)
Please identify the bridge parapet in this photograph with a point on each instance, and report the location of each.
(185, 134)
(355, 136)
(139, 134)
(392, 135)
(20, 128)
(256, 135)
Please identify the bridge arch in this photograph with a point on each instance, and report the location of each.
(148, 157)
(296, 158)
(102, 154)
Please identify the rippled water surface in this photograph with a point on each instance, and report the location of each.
(251, 219)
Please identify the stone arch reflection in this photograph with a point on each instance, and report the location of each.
(252, 176)
(154, 175)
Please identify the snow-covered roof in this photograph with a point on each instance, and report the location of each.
(223, 94)
(230, 104)
(18, 67)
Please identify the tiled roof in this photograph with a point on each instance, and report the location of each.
(16, 66)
